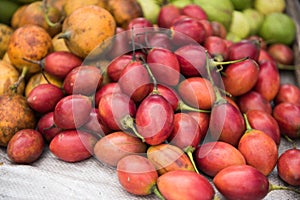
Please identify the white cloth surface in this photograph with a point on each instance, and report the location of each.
(50, 178)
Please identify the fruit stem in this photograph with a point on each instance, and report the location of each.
(155, 89)
(189, 151)
(38, 62)
(287, 67)
(64, 35)
(48, 21)
(279, 187)
(15, 86)
(290, 140)
(157, 192)
(219, 98)
(183, 106)
(216, 63)
(248, 126)
(216, 197)
(128, 122)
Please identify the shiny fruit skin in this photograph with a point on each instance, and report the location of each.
(241, 182)
(212, 157)
(167, 157)
(264, 156)
(154, 119)
(115, 146)
(26, 146)
(288, 118)
(136, 174)
(185, 185)
(72, 111)
(288, 167)
(72, 145)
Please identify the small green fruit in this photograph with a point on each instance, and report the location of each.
(242, 4)
(150, 9)
(217, 10)
(232, 37)
(254, 18)
(180, 3)
(278, 28)
(239, 25)
(269, 6)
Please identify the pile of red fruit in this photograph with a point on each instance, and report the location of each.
(169, 105)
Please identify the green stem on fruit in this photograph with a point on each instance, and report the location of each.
(48, 21)
(189, 151)
(155, 89)
(216, 63)
(248, 126)
(290, 140)
(219, 98)
(279, 187)
(287, 67)
(185, 107)
(128, 123)
(216, 197)
(157, 192)
(15, 86)
(38, 62)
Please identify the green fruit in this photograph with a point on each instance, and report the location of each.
(269, 6)
(180, 3)
(217, 10)
(150, 9)
(254, 18)
(7, 9)
(278, 28)
(232, 37)
(242, 4)
(239, 25)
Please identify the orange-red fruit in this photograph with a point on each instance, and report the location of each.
(113, 147)
(26, 146)
(212, 157)
(136, 174)
(259, 150)
(179, 185)
(241, 182)
(288, 166)
(72, 145)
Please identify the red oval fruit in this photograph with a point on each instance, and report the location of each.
(265, 154)
(245, 48)
(114, 69)
(137, 175)
(114, 107)
(241, 182)
(282, 53)
(253, 100)
(264, 122)
(240, 77)
(83, 80)
(60, 63)
(167, 157)
(164, 65)
(268, 81)
(288, 93)
(288, 166)
(44, 97)
(288, 117)
(72, 111)
(72, 145)
(212, 157)
(186, 131)
(154, 119)
(178, 185)
(197, 92)
(26, 146)
(115, 146)
(47, 127)
(136, 88)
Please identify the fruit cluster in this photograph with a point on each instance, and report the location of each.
(168, 101)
